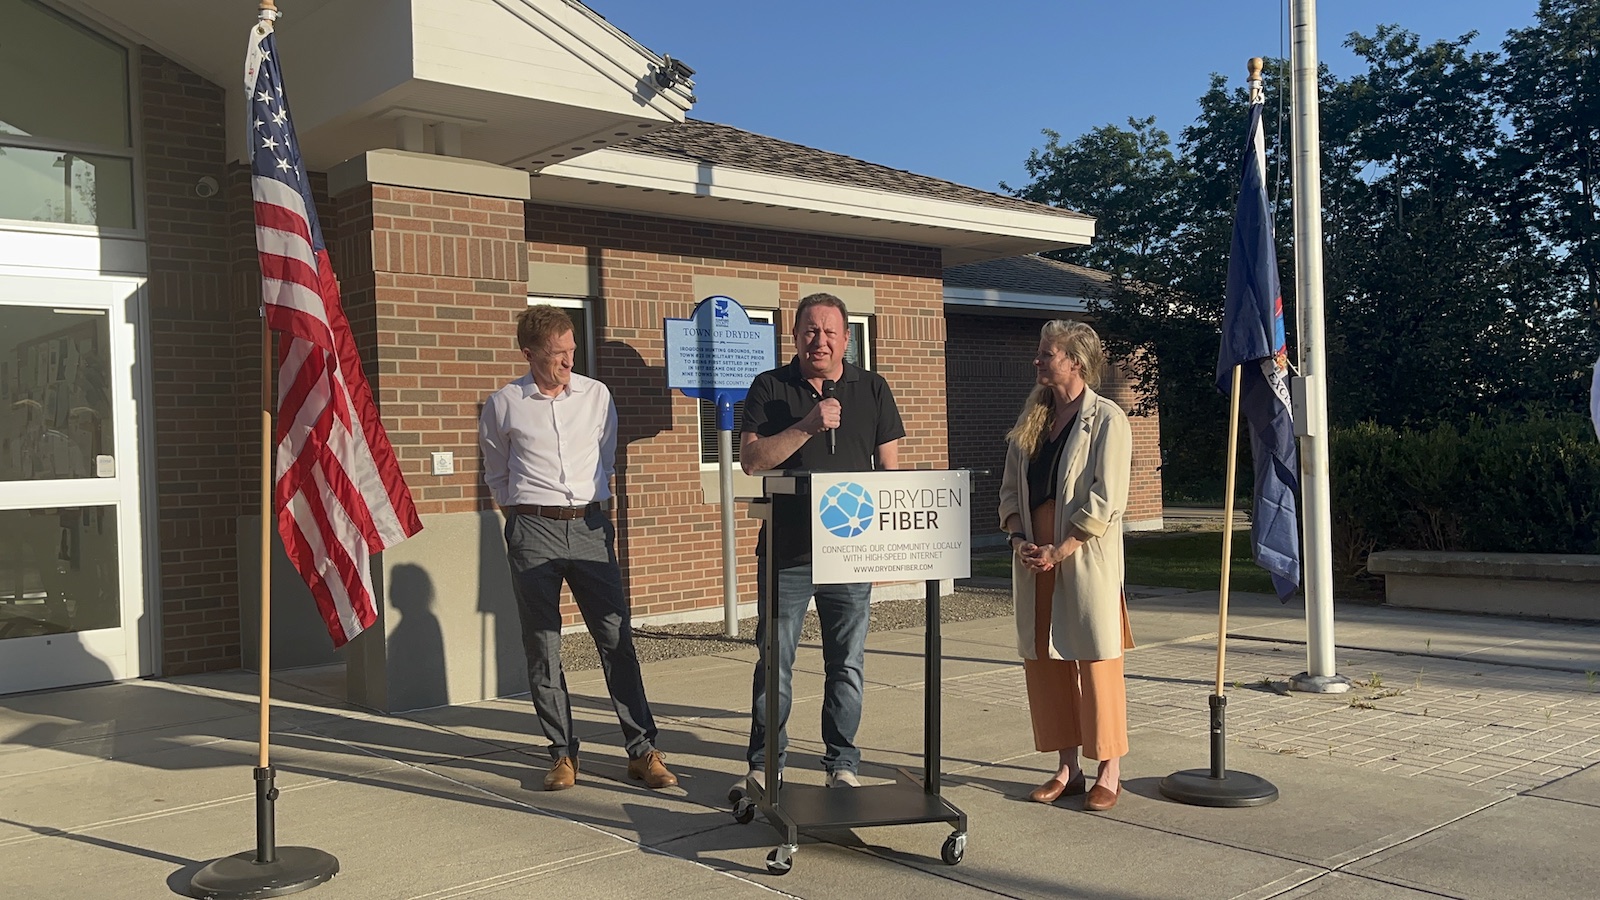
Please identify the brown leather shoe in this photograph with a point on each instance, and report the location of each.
(652, 770)
(563, 774)
(1102, 798)
(1053, 789)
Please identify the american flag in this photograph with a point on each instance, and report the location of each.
(340, 495)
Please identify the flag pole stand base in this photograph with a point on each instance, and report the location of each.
(296, 869)
(268, 870)
(1216, 786)
(1308, 683)
(1198, 787)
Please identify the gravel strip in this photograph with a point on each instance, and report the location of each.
(656, 643)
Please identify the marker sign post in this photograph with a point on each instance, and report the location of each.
(714, 355)
(905, 525)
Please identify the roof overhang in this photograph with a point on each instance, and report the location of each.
(502, 81)
(626, 181)
(1012, 302)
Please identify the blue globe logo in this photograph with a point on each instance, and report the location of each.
(846, 509)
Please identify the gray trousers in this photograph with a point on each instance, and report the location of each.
(542, 553)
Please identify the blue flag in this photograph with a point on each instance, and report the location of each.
(1253, 337)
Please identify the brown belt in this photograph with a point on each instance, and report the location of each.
(564, 513)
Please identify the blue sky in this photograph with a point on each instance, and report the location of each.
(960, 90)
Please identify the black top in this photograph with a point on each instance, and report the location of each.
(868, 417)
(1042, 468)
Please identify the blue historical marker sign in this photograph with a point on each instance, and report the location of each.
(716, 352)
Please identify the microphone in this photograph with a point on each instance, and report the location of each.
(827, 394)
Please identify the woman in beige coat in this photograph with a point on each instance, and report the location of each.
(1062, 498)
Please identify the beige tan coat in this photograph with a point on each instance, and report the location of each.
(1092, 477)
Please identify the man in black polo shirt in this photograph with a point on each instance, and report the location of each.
(787, 425)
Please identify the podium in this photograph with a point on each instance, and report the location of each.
(791, 809)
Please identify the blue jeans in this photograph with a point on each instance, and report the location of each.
(843, 610)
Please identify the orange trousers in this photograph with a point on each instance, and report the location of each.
(1073, 703)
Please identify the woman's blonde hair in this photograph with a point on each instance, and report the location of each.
(1077, 342)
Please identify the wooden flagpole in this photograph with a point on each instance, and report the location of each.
(1217, 786)
(1227, 527)
(263, 755)
(269, 870)
(1255, 67)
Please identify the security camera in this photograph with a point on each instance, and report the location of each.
(206, 187)
(673, 73)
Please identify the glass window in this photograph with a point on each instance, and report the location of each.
(58, 571)
(859, 351)
(708, 409)
(59, 80)
(55, 393)
(52, 186)
(66, 140)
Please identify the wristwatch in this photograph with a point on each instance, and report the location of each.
(1016, 534)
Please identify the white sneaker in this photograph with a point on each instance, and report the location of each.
(741, 787)
(843, 778)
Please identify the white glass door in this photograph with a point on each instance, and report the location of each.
(72, 605)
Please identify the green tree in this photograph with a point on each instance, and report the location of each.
(1549, 87)
(1459, 224)
(1130, 181)
(1127, 176)
(1418, 307)
(1442, 303)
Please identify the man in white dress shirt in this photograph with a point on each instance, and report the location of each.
(549, 442)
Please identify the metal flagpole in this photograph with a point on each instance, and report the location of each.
(1311, 416)
(269, 871)
(730, 565)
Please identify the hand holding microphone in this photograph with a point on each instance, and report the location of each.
(828, 387)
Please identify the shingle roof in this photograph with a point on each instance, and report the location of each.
(724, 145)
(1032, 275)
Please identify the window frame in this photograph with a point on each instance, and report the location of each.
(864, 346)
(703, 408)
(708, 448)
(131, 152)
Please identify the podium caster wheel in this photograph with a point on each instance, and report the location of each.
(744, 811)
(781, 860)
(954, 849)
(735, 795)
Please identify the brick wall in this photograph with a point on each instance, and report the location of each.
(1144, 488)
(430, 281)
(205, 295)
(197, 413)
(989, 360)
(669, 538)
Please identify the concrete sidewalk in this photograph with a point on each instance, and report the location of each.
(1462, 766)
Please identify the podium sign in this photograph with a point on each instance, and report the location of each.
(890, 526)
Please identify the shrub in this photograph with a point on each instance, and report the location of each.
(1529, 486)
